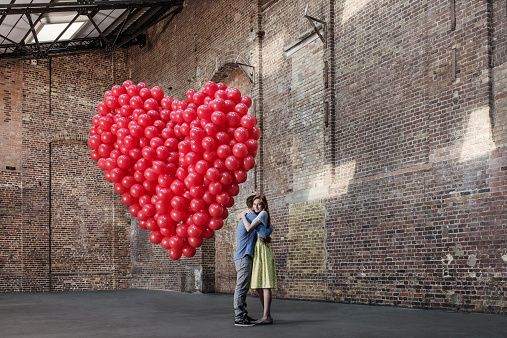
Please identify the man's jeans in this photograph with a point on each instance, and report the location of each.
(243, 275)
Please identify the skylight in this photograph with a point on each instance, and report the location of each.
(50, 31)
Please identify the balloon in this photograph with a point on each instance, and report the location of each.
(155, 237)
(195, 241)
(176, 163)
(216, 224)
(174, 254)
(188, 251)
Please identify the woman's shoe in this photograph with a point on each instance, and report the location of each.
(264, 322)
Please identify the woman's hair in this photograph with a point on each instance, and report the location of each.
(264, 202)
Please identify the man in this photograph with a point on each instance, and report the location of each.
(243, 258)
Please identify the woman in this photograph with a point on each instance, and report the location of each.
(263, 270)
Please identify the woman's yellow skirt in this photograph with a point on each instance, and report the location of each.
(263, 270)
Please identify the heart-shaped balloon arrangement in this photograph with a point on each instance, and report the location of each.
(177, 164)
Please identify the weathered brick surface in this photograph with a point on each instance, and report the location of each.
(11, 77)
(384, 153)
(62, 226)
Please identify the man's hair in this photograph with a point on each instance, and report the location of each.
(249, 201)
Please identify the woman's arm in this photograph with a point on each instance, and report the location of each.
(249, 226)
(261, 218)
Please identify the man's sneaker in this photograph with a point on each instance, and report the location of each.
(243, 322)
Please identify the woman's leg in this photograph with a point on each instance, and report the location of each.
(267, 304)
(261, 296)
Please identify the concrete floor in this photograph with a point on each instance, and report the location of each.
(148, 313)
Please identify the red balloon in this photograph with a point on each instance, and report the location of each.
(201, 167)
(229, 106)
(232, 163)
(223, 199)
(252, 146)
(134, 209)
(223, 137)
(94, 141)
(219, 164)
(232, 190)
(188, 251)
(241, 109)
(164, 221)
(119, 188)
(240, 175)
(116, 175)
(213, 174)
(157, 93)
(200, 218)
(255, 133)
(174, 254)
(247, 101)
(181, 230)
(211, 129)
(240, 150)
(233, 119)
(179, 203)
(218, 118)
(233, 94)
(189, 115)
(127, 199)
(193, 180)
(165, 242)
(124, 161)
(133, 90)
(197, 204)
(194, 231)
(151, 224)
(177, 187)
(209, 156)
(165, 181)
(248, 121)
(136, 190)
(136, 102)
(128, 181)
(104, 150)
(195, 241)
(207, 233)
(248, 163)
(197, 191)
(216, 224)
(220, 94)
(210, 88)
(177, 215)
(144, 93)
(215, 210)
(156, 237)
(143, 200)
(241, 134)
(223, 151)
(168, 232)
(215, 188)
(198, 98)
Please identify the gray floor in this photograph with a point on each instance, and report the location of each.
(147, 313)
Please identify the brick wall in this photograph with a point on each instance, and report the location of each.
(62, 227)
(383, 154)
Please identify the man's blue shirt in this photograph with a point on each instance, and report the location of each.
(245, 241)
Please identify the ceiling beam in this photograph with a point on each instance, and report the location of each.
(83, 7)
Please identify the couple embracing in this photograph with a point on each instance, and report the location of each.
(255, 266)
